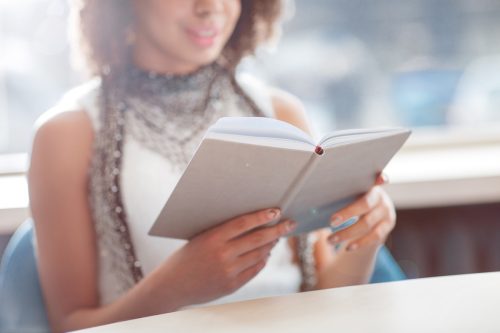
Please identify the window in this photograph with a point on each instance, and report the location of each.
(34, 66)
(416, 63)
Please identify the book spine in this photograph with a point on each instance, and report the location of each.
(299, 181)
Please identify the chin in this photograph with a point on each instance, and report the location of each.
(206, 58)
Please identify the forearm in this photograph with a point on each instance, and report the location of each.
(348, 268)
(155, 294)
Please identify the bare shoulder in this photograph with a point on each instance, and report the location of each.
(63, 129)
(68, 119)
(289, 108)
(61, 147)
(58, 121)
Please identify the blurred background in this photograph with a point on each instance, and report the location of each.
(431, 65)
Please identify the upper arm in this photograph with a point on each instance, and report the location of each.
(58, 183)
(289, 108)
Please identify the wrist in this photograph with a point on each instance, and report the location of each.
(165, 290)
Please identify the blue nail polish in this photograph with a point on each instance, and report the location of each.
(346, 224)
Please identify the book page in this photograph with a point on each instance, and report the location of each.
(276, 142)
(343, 136)
(260, 127)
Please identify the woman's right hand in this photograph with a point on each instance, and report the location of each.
(221, 260)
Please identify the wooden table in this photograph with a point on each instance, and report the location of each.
(461, 303)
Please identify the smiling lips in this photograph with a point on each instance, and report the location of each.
(204, 37)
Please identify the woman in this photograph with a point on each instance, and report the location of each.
(105, 160)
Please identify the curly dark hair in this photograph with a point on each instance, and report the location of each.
(106, 49)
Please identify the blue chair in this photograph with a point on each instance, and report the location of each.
(22, 309)
(386, 268)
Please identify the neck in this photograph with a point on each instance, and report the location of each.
(147, 57)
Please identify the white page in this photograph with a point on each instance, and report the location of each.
(330, 139)
(261, 141)
(260, 127)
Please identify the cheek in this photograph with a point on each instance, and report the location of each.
(159, 16)
(233, 12)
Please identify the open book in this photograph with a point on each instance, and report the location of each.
(245, 164)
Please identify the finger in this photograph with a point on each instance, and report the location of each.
(244, 223)
(252, 258)
(248, 274)
(359, 207)
(377, 236)
(362, 227)
(258, 238)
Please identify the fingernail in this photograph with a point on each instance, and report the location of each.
(352, 247)
(336, 221)
(385, 178)
(273, 213)
(334, 239)
(290, 225)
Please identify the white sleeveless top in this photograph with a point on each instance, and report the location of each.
(144, 199)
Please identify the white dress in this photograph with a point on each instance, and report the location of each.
(146, 189)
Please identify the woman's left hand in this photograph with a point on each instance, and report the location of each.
(377, 218)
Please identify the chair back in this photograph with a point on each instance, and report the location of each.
(22, 309)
